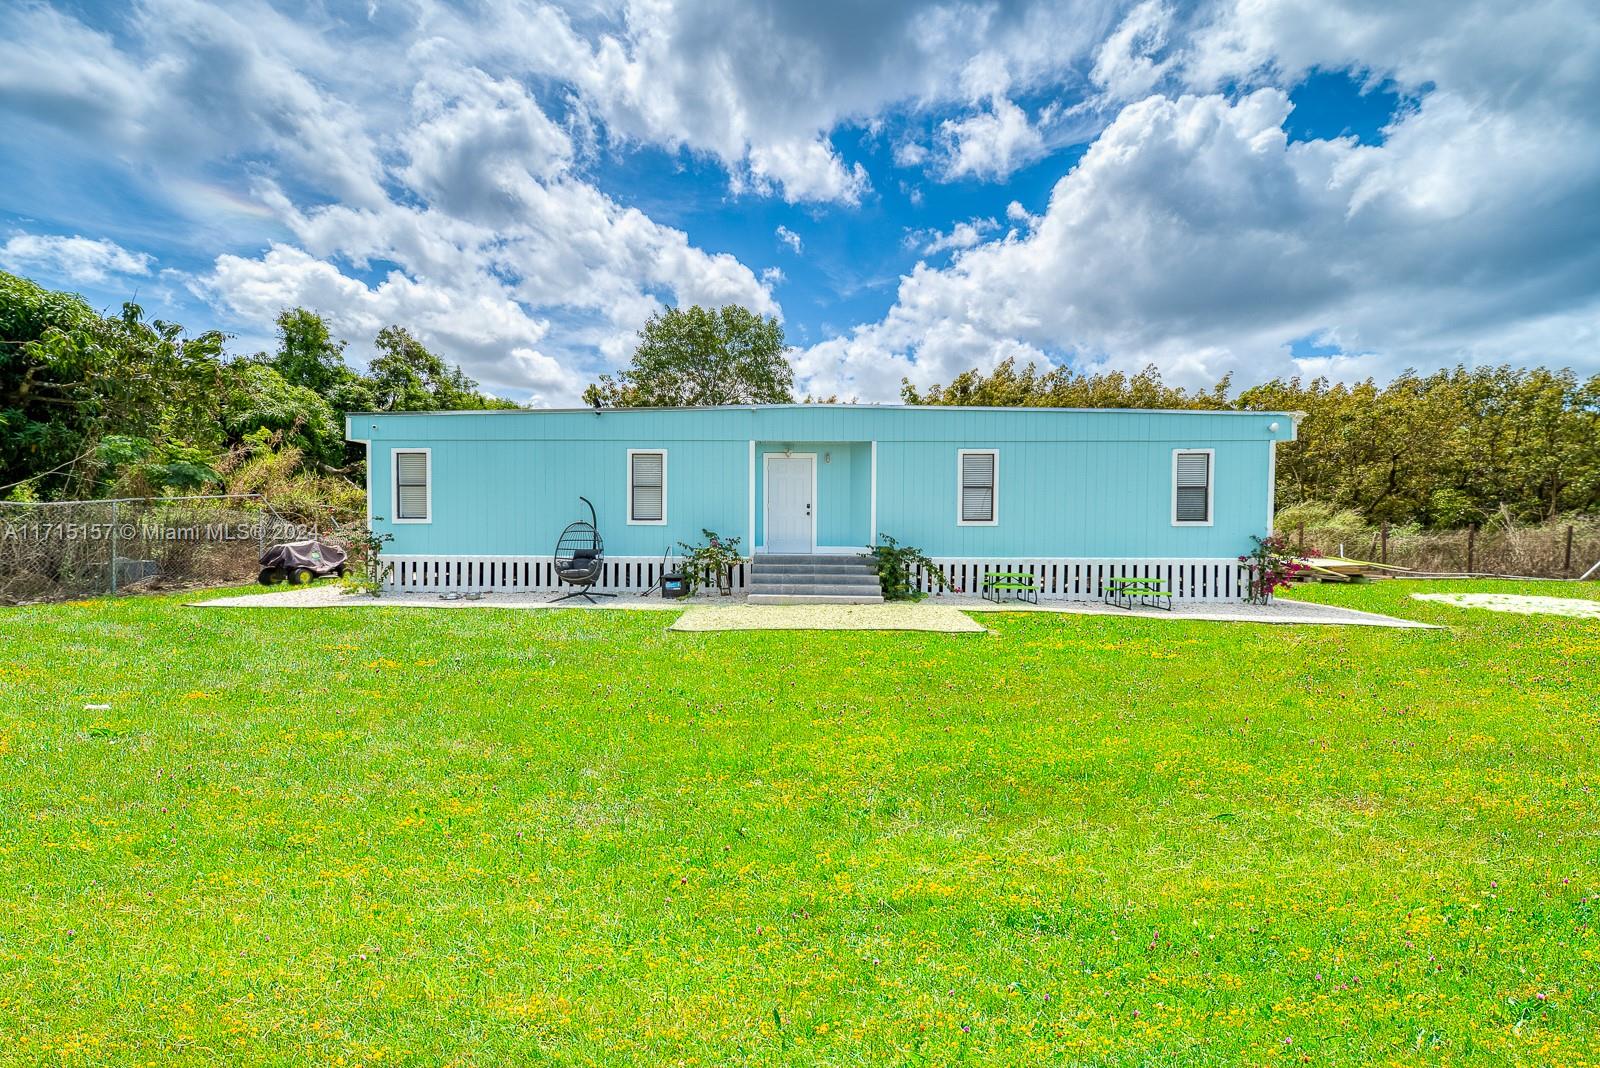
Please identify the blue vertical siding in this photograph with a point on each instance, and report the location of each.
(844, 489)
(1071, 483)
(1077, 499)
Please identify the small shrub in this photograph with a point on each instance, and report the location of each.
(897, 566)
(1325, 527)
(1272, 564)
(365, 570)
(707, 564)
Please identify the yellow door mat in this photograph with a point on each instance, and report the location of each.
(829, 617)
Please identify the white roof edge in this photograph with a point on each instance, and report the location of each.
(876, 407)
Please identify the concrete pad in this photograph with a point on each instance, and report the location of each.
(1279, 611)
(1518, 603)
(332, 595)
(829, 617)
(899, 616)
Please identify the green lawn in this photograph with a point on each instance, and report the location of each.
(482, 838)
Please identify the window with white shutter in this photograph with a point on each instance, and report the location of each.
(978, 480)
(1191, 487)
(413, 492)
(647, 486)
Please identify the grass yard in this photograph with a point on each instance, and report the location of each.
(482, 838)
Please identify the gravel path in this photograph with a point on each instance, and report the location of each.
(1279, 611)
(331, 595)
(735, 614)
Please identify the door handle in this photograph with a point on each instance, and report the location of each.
(808, 509)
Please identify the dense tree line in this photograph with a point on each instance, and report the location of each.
(92, 404)
(1442, 450)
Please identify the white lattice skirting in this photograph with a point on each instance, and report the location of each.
(1067, 579)
(1058, 577)
(528, 574)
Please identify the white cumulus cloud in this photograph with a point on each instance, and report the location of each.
(1193, 234)
(990, 143)
(88, 261)
(960, 236)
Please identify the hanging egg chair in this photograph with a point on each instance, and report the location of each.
(580, 557)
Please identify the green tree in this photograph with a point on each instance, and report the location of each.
(256, 397)
(1445, 449)
(89, 403)
(308, 356)
(1062, 387)
(406, 377)
(69, 379)
(688, 357)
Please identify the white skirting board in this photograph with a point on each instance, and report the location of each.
(512, 574)
(1061, 578)
(1074, 579)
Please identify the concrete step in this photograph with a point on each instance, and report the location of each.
(843, 589)
(844, 574)
(813, 598)
(814, 576)
(761, 567)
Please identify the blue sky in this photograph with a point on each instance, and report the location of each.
(1259, 188)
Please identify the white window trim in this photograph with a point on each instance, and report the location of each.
(1211, 489)
(632, 522)
(994, 512)
(394, 484)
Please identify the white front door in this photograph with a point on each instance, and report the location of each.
(789, 504)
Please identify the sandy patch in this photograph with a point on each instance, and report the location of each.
(939, 618)
(1518, 603)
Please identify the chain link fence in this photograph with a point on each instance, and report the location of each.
(50, 550)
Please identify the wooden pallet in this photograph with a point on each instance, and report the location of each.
(1341, 569)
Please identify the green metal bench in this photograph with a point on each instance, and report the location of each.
(1019, 584)
(1126, 592)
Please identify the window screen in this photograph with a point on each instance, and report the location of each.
(411, 485)
(647, 487)
(977, 487)
(1193, 489)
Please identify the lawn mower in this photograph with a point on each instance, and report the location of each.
(298, 562)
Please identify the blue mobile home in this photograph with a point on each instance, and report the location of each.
(477, 500)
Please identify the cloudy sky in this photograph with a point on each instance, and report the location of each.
(1342, 187)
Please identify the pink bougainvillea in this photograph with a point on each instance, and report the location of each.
(1272, 565)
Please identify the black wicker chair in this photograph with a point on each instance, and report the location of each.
(581, 558)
